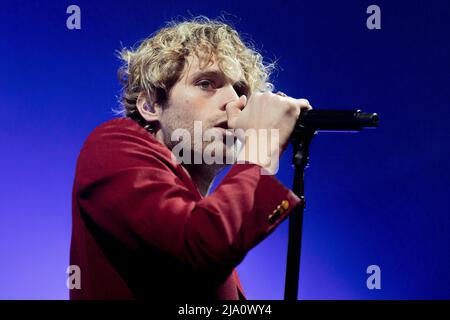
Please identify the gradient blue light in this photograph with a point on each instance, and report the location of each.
(377, 197)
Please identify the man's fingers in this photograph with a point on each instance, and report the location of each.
(304, 104)
(233, 110)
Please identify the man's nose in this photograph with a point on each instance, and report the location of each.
(227, 94)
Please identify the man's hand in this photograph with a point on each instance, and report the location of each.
(266, 111)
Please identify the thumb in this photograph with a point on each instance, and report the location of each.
(234, 109)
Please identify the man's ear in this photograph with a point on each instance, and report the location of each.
(148, 109)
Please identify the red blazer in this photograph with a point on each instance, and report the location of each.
(142, 230)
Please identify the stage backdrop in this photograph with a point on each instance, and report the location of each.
(379, 197)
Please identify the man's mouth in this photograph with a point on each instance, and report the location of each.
(222, 124)
(223, 127)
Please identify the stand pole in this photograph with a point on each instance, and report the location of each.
(300, 161)
(312, 121)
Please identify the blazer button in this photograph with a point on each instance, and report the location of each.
(285, 204)
(274, 216)
(281, 208)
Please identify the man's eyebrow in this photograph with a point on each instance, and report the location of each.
(216, 74)
(208, 73)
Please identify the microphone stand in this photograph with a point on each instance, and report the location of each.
(307, 126)
(301, 141)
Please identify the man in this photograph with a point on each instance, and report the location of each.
(144, 225)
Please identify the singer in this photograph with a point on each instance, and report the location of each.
(144, 225)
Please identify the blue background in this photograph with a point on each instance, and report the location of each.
(378, 197)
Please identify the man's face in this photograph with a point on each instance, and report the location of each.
(201, 94)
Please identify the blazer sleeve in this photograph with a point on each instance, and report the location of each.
(129, 188)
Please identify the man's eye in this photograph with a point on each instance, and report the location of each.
(241, 88)
(205, 84)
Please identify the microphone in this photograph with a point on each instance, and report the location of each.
(335, 120)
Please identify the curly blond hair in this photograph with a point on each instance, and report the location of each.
(158, 62)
